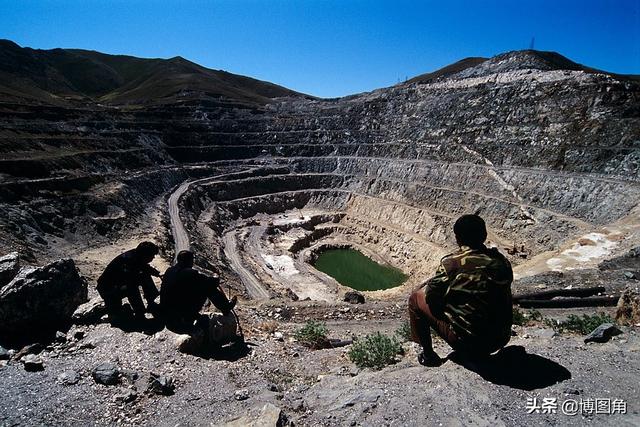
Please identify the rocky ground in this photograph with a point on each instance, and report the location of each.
(544, 149)
(280, 379)
(317, 387)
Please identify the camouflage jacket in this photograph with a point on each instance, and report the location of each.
(472, 289)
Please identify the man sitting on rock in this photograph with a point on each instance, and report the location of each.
(185, 290)
(123, 277)
(468, 302)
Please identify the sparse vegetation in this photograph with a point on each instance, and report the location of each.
(375, 351)
(403, 332)
(313, 334)
(521, 318)
(518, 318)
(581, 324)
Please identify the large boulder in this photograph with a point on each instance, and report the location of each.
(602, 333)
(354, 297)
(40, 299)
(9, 267)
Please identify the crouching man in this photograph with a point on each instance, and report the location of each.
(468, 302)
(183, 293)
(123, 277)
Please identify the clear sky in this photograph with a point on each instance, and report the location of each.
(332, 47)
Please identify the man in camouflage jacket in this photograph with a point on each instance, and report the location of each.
(468, 301)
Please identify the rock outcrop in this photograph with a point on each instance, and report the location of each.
(543, 148)
(89, 312)
(9, 267)
(40, 299)
(354, 297)
(628, 308)
(268, 415)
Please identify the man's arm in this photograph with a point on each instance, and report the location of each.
(146, 268)
(216, 295)
(435, 289)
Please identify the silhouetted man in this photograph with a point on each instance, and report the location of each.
(124, 276)
(468, 302)
(185, 290)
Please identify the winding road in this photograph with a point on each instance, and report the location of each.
(180, 236)
(254, 288)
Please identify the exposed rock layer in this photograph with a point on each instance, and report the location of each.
(542, 148)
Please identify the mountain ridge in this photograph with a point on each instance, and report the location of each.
(62, 76)
(67, 75)
(510, 61)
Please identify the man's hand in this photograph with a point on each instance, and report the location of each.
(139, 317)
(232, 303)
(153, 307)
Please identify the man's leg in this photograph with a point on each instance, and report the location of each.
(422, 321)
(112, 303)
(148, 288)
(420, 327)
(135, 300)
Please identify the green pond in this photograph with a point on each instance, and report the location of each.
(351, 268)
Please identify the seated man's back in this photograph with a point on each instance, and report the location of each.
(468, 301)
(185, 290)
(183, 293)
(473, 290)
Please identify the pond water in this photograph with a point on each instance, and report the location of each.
(351, 268)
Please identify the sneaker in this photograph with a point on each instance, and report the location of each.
(430, 359)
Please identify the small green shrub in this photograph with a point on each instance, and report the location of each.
(403, 332)
(375, 351)
(518, 318)
(313, 334)
(535, 315)
(552, 323)
(584, 324)
(524, 318)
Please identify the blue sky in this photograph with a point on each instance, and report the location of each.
(331, 47)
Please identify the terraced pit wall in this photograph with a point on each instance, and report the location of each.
(541, 154)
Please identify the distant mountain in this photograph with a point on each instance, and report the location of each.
(60, 76)
(68, 76)
(510, 61)
(447, 71)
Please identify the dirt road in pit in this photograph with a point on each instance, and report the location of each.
(180, 235)
(181, 241)
(254, 288)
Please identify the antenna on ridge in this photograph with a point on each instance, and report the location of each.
(533, 42)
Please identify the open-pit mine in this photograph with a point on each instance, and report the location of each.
(99, 152)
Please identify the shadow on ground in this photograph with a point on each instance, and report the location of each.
(147, 326)
(231, 352)
(514, 367)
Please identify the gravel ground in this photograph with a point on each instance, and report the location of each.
(319, 387)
